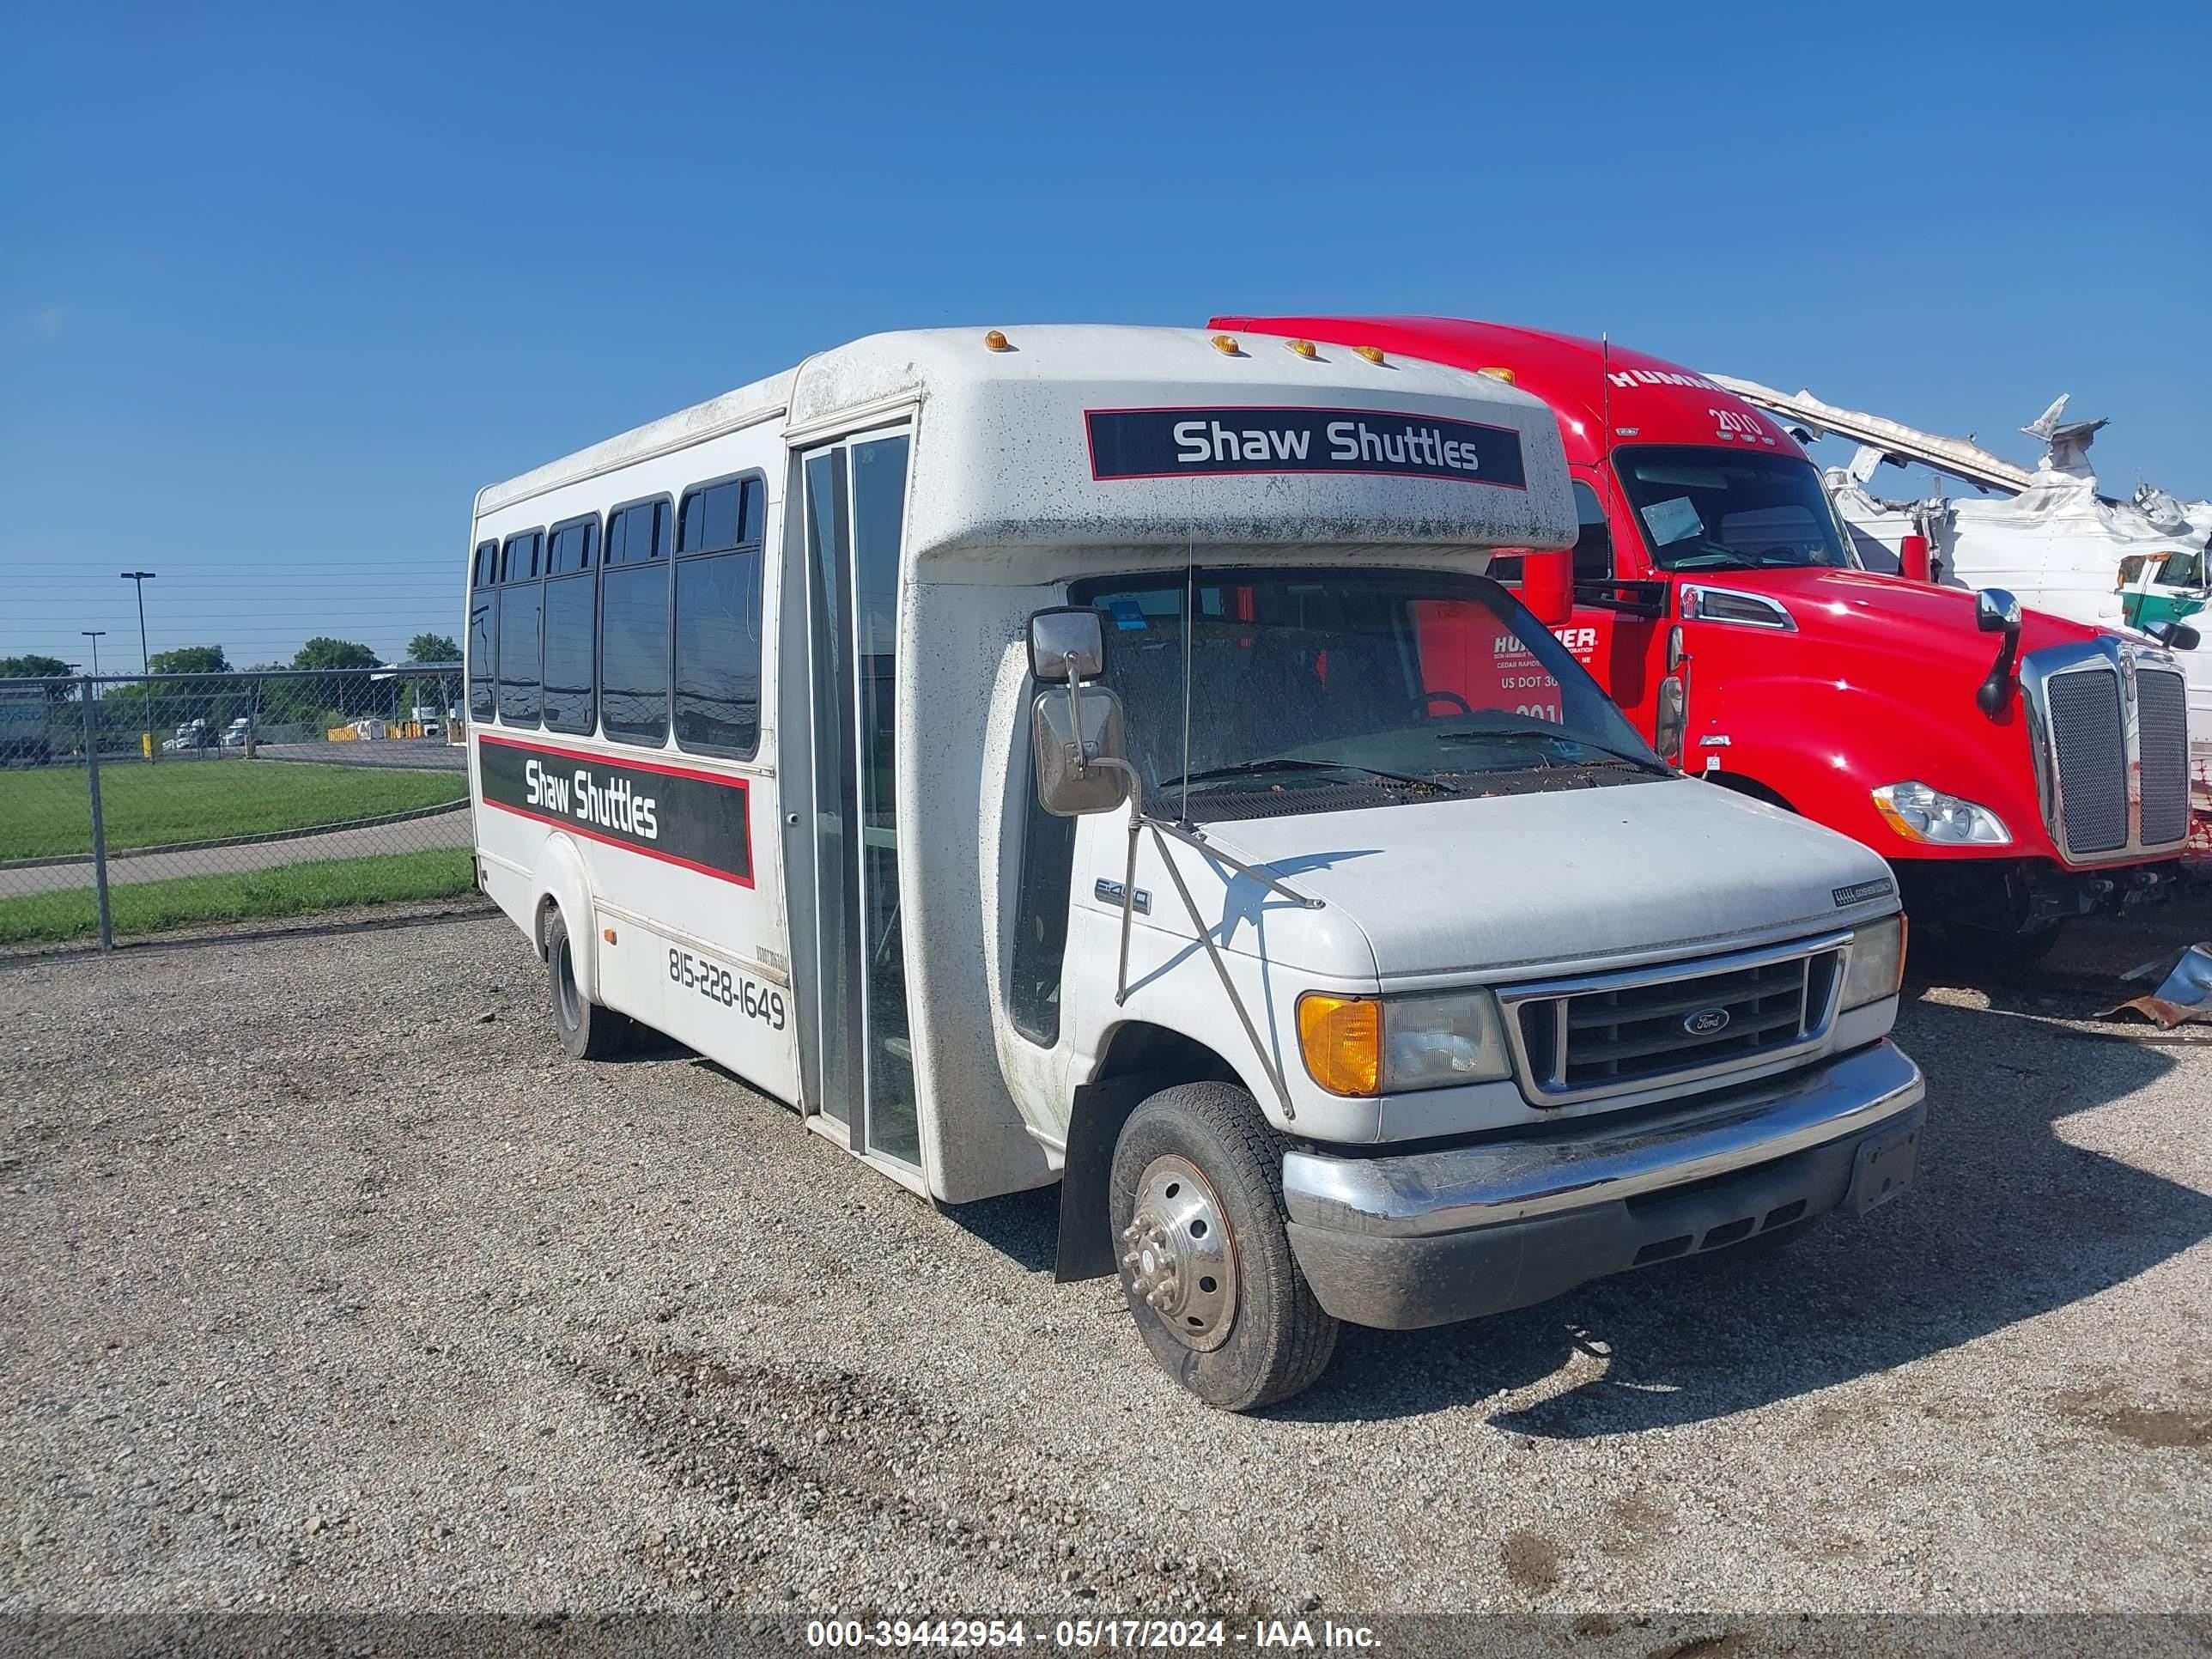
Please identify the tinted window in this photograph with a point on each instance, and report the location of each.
(1712, 509)
(484, 635)
(520, 564)
(1319, 685)
(718, 652)
(518, 609)
(721, 516)
(1593, 538)
(634, 652)
(638, 533)
(1041, 923)
(486, 571)
(571, 608)
(572, 548)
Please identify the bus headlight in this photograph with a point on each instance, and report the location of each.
(1920, 813)
(1369, 1045)
(1876, 965)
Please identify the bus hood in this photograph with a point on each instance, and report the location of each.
(1502, 887)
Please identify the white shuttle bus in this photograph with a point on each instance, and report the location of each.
(1096, 755)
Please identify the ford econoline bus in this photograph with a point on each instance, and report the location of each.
(1096, 755)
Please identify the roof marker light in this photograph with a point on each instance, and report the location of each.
(996, 341)
(1302, 348)
(1504, 374)
(1226, 344)
(1373, 354)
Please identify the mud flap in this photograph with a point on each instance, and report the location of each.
(1086, 1176)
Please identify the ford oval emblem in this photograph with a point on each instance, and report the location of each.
(1706, 1022)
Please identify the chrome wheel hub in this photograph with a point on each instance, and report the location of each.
(1177, 1257)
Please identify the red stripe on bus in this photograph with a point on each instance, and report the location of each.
(575, 829)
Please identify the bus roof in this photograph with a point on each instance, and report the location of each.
(1017, 435)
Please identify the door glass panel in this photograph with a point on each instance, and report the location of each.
(824, 636)
(879, 508)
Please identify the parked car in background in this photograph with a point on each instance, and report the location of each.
(23, 734)
(235, 734)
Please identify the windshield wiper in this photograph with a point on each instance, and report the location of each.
(1613, 757)
(1297, 763)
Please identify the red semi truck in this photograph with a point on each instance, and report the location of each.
(2016, 769)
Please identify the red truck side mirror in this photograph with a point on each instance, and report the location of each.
(1548, 587)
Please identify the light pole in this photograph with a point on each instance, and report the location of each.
(94, 633)
(146, 661)
(143, 578)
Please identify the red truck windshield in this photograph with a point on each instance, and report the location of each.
(1331, 688)
(1710, 509)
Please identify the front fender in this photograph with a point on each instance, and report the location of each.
(561, 877)
(1825, 747)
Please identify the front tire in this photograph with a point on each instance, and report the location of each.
(1197, 1206)
(588, 1031)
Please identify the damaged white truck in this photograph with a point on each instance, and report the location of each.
(1096, 755)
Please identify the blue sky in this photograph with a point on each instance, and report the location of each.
(278, 291)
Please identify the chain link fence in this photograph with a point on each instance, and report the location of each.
(144, 805)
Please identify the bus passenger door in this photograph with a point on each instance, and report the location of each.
(856, 1057)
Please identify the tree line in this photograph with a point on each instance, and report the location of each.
(222, 693)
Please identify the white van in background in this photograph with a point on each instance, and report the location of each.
(1095, 754)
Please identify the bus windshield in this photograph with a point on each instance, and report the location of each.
(1704, 508)
(1316, 688)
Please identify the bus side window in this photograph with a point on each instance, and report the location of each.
(633, 625)
(571, 626)
(1041, 923)
(521, 604)
(484, 633)
(718, 622)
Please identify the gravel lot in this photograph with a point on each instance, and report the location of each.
(331, 1285)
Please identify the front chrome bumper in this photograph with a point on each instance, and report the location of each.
(1424, 1238)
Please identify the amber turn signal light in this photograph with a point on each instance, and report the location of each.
(1340, 1039)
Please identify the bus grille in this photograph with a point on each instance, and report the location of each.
(1606, 1040)
(2089, 739)
(2163, 711)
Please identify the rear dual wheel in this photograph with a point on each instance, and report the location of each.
(1197, 1207)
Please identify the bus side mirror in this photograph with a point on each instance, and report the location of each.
(1548, 587)
(1076, 740)
(1067, 641)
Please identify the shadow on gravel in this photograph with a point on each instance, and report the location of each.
(2008, 1222)
(1024, 1227)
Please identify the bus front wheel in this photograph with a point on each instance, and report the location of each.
(1197, 1212)
(588, 1030)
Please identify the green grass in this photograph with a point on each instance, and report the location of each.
(44, 811)
(289, 889)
